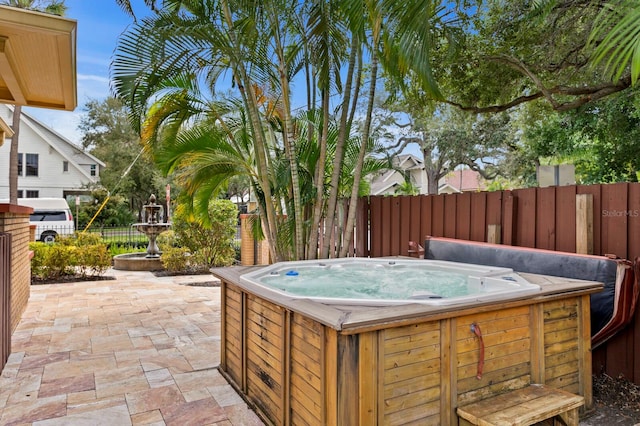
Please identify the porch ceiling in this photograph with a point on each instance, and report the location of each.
(37, 59)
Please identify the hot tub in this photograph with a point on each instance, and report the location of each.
(333, 361)
(383, 282)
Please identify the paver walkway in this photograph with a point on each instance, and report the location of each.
(138, 350)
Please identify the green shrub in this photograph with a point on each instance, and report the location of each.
(116, 249)
(71, 255)
(210, 245)
(52, 261)
(167, 240)
(93, 260)
(175, 259)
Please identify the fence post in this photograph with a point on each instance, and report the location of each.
(584, 223)
(493, 234)
(247, 247)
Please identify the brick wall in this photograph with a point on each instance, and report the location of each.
(252, 252)
(15, 221)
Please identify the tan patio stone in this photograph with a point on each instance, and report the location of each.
(150, 418)
(136, 350)
(152, 399)
(194, 413)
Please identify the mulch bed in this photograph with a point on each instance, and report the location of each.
(66, 279)
(616, 402)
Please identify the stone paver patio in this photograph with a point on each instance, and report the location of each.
(138, 350)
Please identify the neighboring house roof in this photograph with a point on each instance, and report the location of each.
(461, 181)
(385, 182)
(70, 151)
(51, 180)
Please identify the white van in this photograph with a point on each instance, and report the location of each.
(52, 217)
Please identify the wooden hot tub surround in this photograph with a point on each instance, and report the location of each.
(303, 362)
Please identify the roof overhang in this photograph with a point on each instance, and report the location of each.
(5, 131)
(37, 59)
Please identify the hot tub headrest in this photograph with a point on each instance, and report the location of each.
(520, 259)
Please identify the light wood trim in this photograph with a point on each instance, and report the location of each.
(67, 72)
(330, 376)
(584, 223)
(9, 71)
(223, 325)
(286, 366)
(537, 343)
(243, 341)
(584, 349)
(347, 380)
(380, 371)
(448, 371)
(368, 378)
(494, 234)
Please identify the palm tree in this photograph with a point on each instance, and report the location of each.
(54, 7)
(616, 37)
(266, 51)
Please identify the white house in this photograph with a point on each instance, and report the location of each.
(386, 182)
(49, 165)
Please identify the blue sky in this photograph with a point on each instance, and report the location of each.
(100, 22)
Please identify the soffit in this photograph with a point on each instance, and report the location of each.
(37, 59)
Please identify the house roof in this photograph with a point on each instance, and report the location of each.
(70, 151)
(463, 180)
(37, 59)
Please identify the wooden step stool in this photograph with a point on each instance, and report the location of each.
(524, 407)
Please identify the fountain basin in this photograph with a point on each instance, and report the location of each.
(137, 262)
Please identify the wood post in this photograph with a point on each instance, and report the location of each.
(584, 223)
(493, 234)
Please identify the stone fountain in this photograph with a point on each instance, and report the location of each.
(152, 226)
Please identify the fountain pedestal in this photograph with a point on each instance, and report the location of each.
(152, 227)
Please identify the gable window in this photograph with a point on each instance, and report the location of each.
(65, 166)
(93, 170)
(33, 194)
(31, 161)
(20, 165)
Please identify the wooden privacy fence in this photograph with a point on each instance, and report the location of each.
(596, 219)
(542, 218)
(5, 298)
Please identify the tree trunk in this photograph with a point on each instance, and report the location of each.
(357, 174)
(338, 160)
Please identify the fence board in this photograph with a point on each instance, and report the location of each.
(633, 247)
(394, 225)
(566, 218)
(386, 226)
(545, 219)
(614, 219)
(375, 227)
(415, 226)
(478, 228)
(437, 218)
(525, 233)
(463, 216)
(362, 228)
(494, 208)
(509, 210)
(450, 206)
(426, 217)
(405, 224)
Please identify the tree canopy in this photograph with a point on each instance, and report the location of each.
(107, 134)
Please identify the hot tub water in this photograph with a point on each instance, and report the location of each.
(387, 282)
